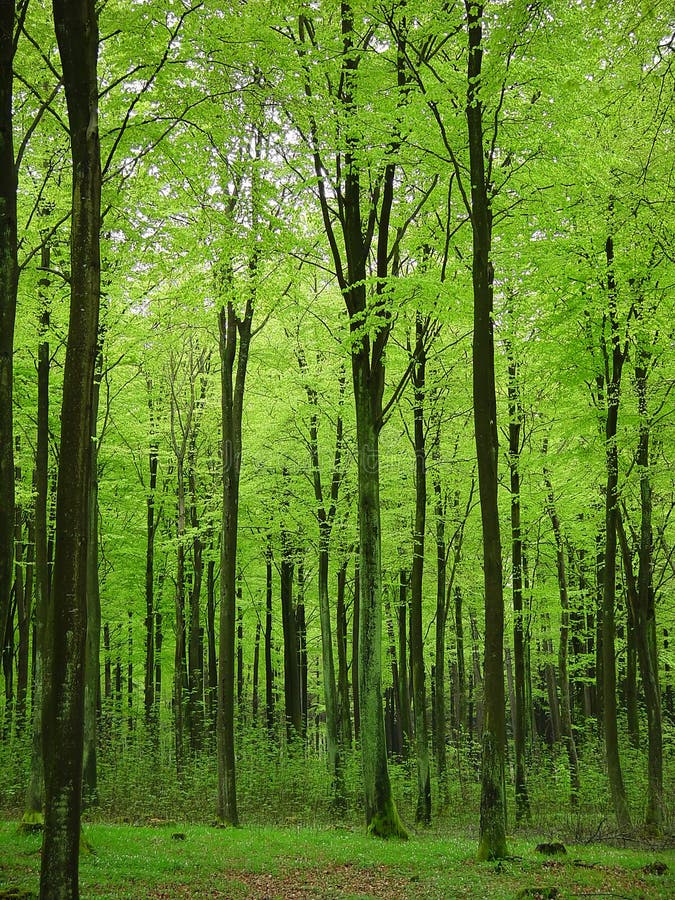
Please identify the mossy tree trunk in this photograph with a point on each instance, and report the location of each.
(77, 36)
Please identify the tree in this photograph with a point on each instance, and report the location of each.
(76, 29)
(9, 277)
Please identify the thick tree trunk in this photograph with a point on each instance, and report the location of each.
(439, 724)
(381, 814)
(77, 36)
(493, 794)
(423, 811)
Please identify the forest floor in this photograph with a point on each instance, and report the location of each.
(166, 861)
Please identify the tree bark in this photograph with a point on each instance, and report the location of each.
(423, 811)
(92, 668)
(77, 37)
(9, 278)
(563, 646)
(344, 722)
(151, 529)
(493, 795)
(269, 671)
(519, 717)
(615, 355)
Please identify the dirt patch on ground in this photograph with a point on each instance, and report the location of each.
(329, 883)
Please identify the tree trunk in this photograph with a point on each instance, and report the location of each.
(439, 724)
(423, 811)
(77, 36)
(9, 278)
(381, 814)
(92, 666)
(493, 794)
(291, 652)
(405, 707)
(255, 704)
(644, 615)
(151, 529)
(565, 707)
(22, 589)
(269, 671)
(212, 689)
(616, 353)
(344, 722)
(356, 617)
(34, 805)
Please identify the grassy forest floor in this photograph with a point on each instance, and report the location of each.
(166, 861)
(152, 839)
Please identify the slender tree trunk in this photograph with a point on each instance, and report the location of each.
(423, 812)
(403, 679)
(291, 653)
(9, 277)
(180, 663)
(301, 631)
(77, 36)
(151, 528)
(255, 704)
(565, 707)
(344, 722)
(92, 668)
(441, 617)
(616, 353)
(631, 682)
(212, 688)
(356, 618)
(240, 650)
(24, 599)
(518, 711)
(644, 614)
(34, 805)
(493, 794)
(269, 671)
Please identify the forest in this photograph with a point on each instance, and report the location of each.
(337, 433)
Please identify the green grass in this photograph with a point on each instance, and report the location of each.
(135, 862)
